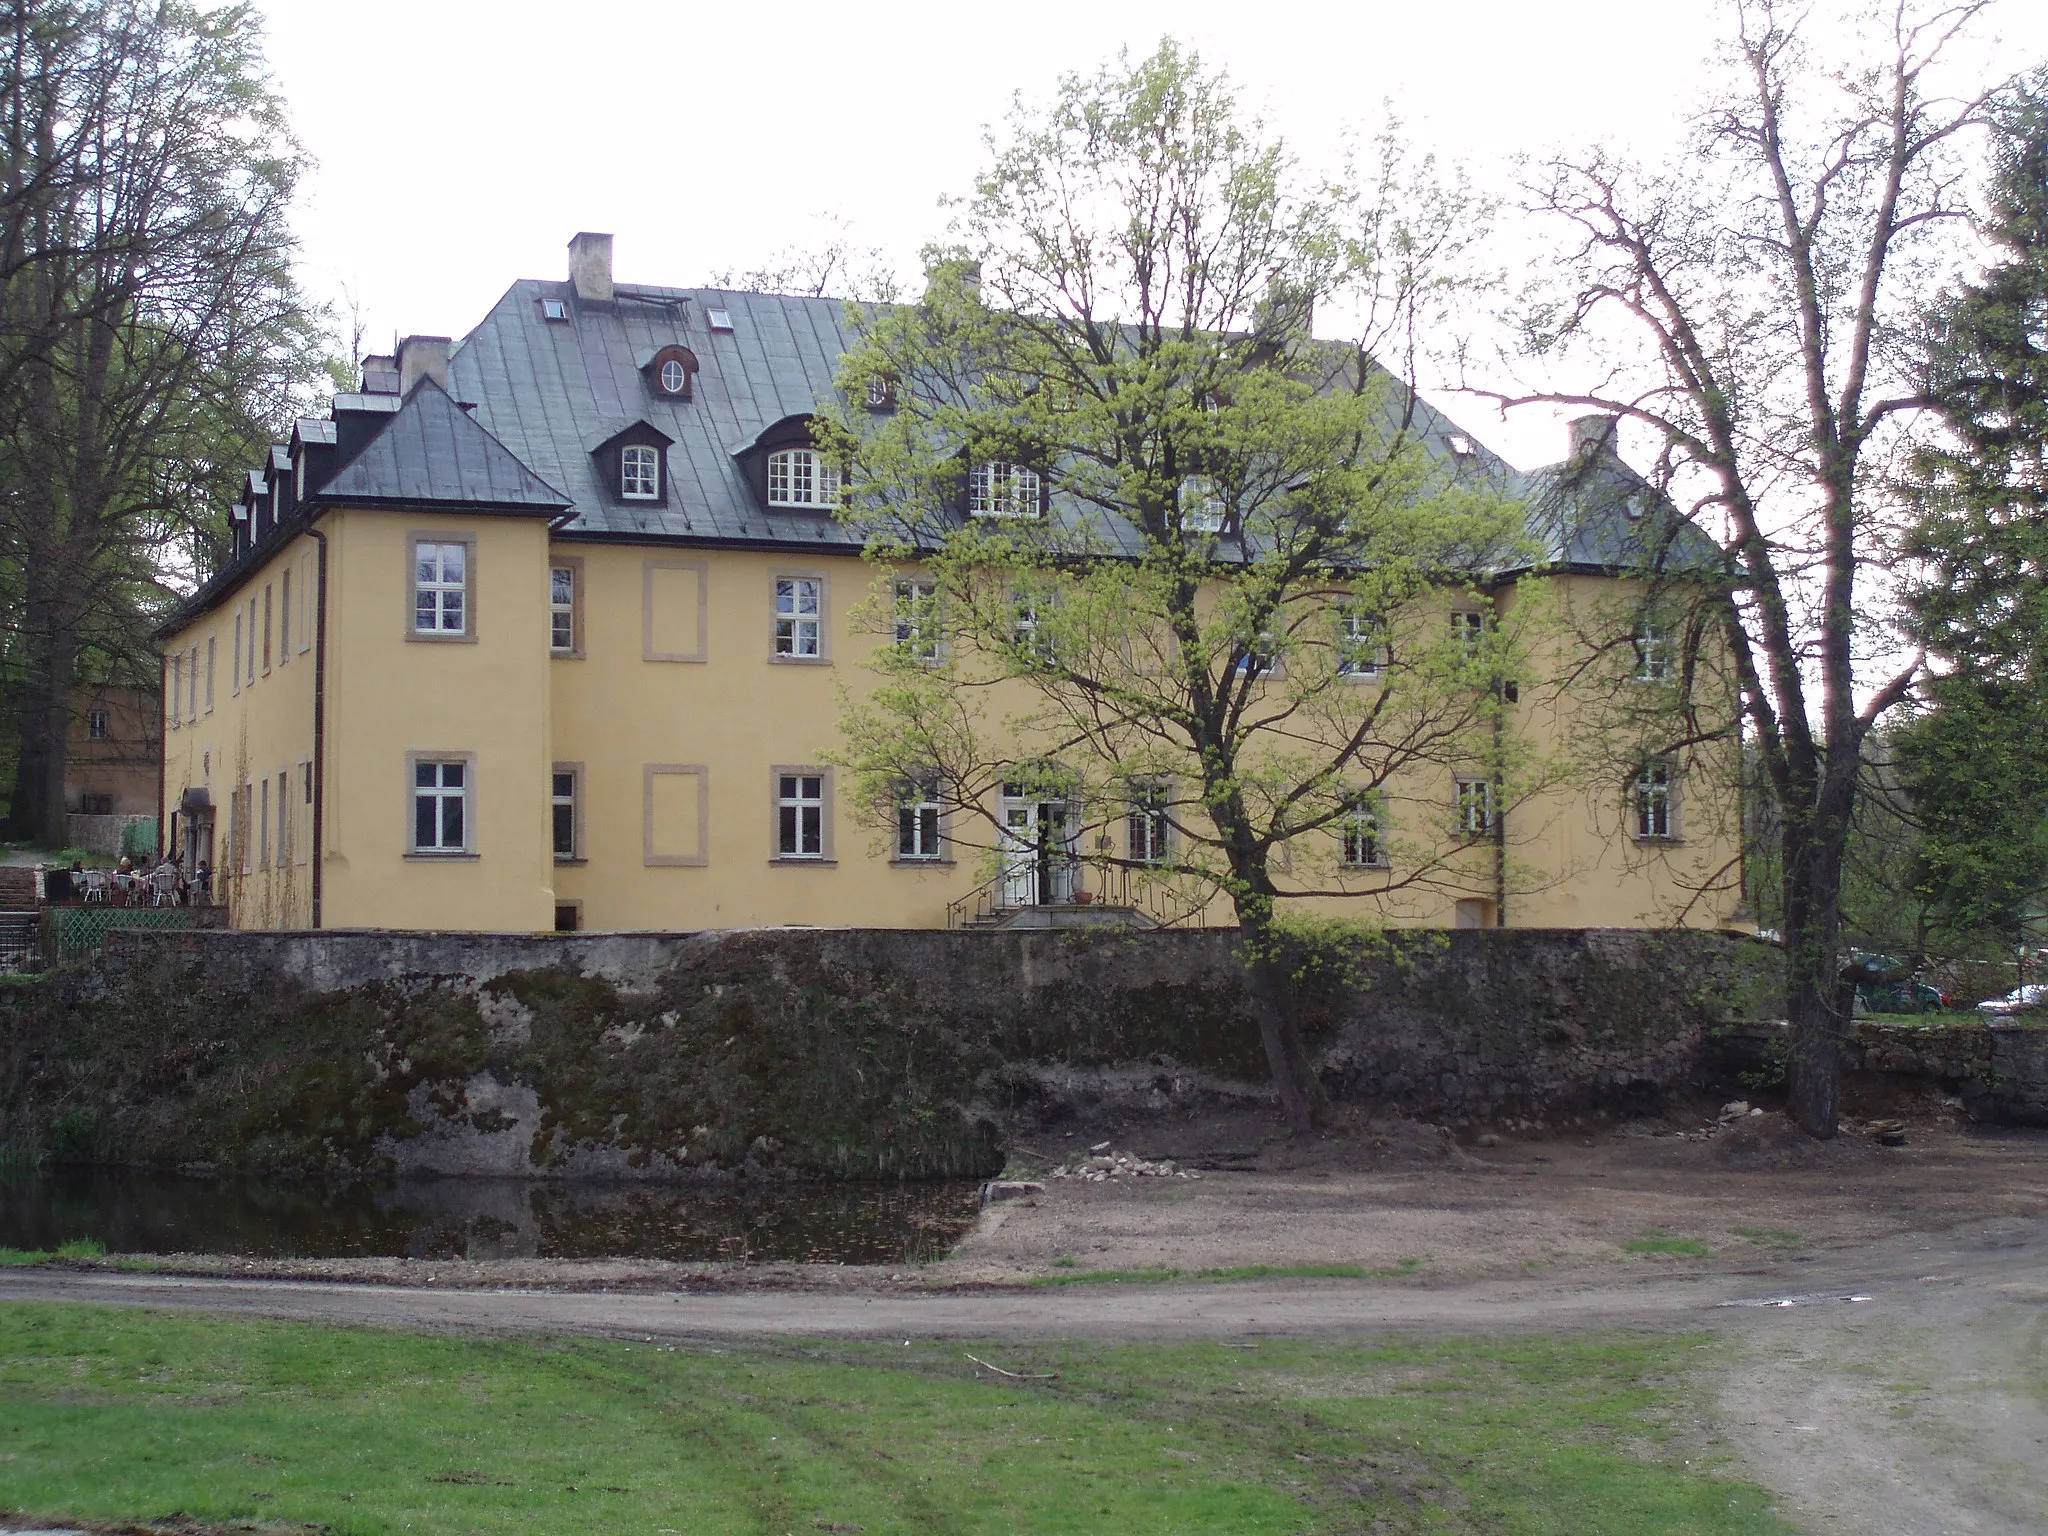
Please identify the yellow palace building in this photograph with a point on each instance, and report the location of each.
(548, 629)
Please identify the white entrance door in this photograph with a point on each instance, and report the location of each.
(1038, 859)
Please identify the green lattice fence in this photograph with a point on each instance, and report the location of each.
(79, 930)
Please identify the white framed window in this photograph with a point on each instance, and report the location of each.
(918, 813)
(1476, 809)
(250, 656)
(673, 377)
(235, 672)
(440, 805)
(554, 309)
(1261, 657)
(917, 618)
(639, 472)
(1361, 643)
(192, 686)
(1653, 801)
(263, 825)
(1148, 825)
(284, 618)
(440, 588)
(1029, 634)
(1364, 833)
(562, 811)
(997, 489)
(800, 617)
(96, 719)
(284, 818)
(562, 609)
(210, 647)
(1468, 631)
(1201, 508)
(881, 392)
(802, 477)
(1653, 652)
(800, 815)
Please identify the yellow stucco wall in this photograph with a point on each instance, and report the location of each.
(672, 714)
(243, 721)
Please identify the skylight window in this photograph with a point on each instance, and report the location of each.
(718, 319)
(554, 309)
(1460, 445)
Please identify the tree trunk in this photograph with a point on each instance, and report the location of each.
(1271, 991)
(1817, 1001)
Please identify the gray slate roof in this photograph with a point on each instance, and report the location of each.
(431, 452)
(552, 390)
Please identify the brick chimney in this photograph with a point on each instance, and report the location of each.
(590, 266)
(1593, 435)
(422, 357)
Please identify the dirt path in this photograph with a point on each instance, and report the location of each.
(1920, 1407)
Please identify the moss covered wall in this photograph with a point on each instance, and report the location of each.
(827, 1052)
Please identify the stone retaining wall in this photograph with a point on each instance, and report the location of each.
(820, 1052)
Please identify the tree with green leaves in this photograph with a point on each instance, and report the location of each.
(1977, 753)
(152, 336)
(1155, 556)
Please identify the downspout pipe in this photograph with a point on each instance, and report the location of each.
(319, 722)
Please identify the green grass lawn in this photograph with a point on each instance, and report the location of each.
(109, 1413)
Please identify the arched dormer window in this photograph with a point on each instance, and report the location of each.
(787, 471)
(996, 488)
(671, 373)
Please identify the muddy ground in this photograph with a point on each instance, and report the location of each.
(1883, 1309)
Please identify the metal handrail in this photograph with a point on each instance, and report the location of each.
(1110, 882)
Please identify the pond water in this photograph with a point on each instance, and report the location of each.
(139, 1212)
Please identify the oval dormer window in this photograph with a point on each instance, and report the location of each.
(802, 477)
(639, 472)
(672, 377)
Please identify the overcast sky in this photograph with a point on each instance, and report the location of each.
(461, 142)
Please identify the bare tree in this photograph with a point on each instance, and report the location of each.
(1755, 306)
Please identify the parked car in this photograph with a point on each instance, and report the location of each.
(1900, 997)
(2019, 1000)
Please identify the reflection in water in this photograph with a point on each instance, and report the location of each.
(140, 1212)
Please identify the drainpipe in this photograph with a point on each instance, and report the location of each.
(319, 722)
(1500, 822)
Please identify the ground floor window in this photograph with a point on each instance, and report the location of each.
(800, 815)
(917, 821)
(1476, 808)
(1146, 824)
(1653, 800)
(1364, 845)
(440, 806)
(562, 805)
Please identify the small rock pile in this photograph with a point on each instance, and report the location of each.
(1103, 1164)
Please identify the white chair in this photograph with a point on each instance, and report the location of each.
(165, 884)
(95, 885)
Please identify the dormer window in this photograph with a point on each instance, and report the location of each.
(802, 477)
(997, 489)
(671, 372)
(881, 393)
(554, 309)
(639, 472)
(1201, 509)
